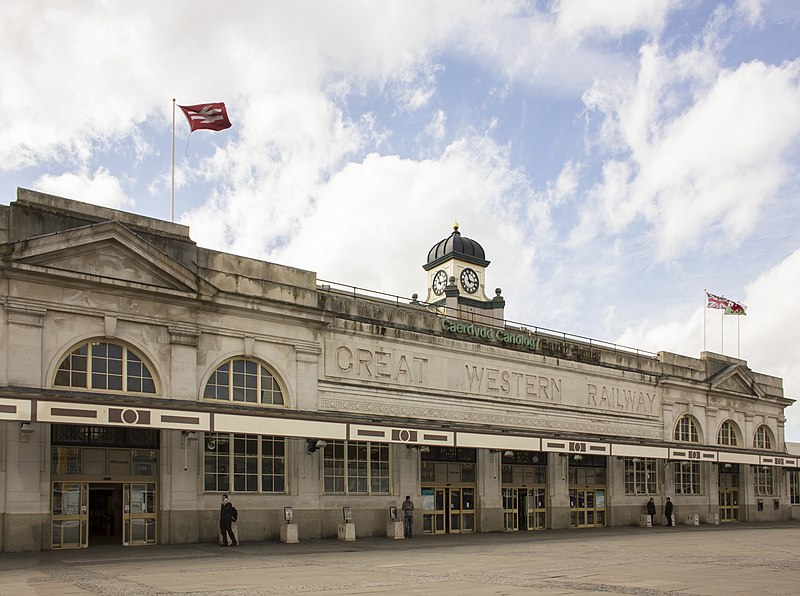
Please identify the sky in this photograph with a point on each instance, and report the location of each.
(614, 159)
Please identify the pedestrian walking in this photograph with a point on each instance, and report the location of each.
(227, 515)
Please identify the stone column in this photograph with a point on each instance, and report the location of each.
(489, 482)
(558, 490)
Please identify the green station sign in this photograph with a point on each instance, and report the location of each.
(534, 343)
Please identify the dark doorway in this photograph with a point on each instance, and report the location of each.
(105, 513)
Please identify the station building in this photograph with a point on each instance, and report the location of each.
(143, 376)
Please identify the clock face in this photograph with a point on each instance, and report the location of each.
(439, 282)
(469, 280)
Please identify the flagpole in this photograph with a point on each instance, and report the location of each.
(722, 332)
(705, 308)
(173, 160)
(738, 336)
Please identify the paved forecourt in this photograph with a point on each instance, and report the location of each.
(730, 559)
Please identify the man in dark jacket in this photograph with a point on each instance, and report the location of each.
(225, 520)
(651, 511)
(668, 511)
(408, 517)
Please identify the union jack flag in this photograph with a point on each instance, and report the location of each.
(715, 301)
(207, 116)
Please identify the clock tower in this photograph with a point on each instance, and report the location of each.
(456, 279)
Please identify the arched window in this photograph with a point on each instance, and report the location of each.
(727, 434)
(106, 366)
(763, 437)
(686, 430)
(687, 474)
(244, 380)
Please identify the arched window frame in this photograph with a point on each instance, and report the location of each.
(687, 475)
(728, 434)
(687, 430)
(763, 438)
(245, 380)
(99, 364)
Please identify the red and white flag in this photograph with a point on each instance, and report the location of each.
(735, 308)
(207, 116)
(714, 301)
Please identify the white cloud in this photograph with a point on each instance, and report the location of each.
(700, 171)
(750, 9)
(99, 188)
(391, 206)
(612, 17)
(124, 65)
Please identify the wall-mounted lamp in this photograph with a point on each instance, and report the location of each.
(25, 430)
(313, 445)
(636, 460)
(508, 453)
(727, 466)
(577, 457)
(188, 435)
(421, 448)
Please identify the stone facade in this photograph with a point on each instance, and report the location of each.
(421, 380)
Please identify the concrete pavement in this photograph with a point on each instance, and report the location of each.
(729, 559)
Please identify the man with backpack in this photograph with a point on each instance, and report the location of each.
(227, 515)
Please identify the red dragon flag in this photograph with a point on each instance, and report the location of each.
(734, 308)
(714, 301)
(207, 116)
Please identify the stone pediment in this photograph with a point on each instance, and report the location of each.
(736, 379)
(108, 251)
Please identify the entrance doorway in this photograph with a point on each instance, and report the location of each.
(587, 491)
(448, 510)
(104, 485)
(728, 504)
(729, 493)
(448, 490)
(103, 513)
(587, 508)
(524, 509)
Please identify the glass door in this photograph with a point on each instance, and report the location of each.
(728, 504)
(70, 515)
(581, 504)
(139, 513)
(510, 509)
(435, 510)
(467, 509)
(455, 511)
(448, 510)
(537, 509)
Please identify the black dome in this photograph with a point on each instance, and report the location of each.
(456, 246)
